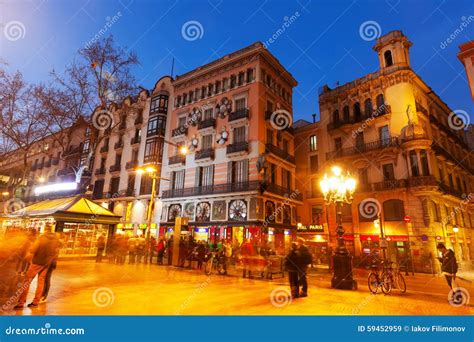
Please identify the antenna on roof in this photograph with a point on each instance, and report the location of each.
(172, 68)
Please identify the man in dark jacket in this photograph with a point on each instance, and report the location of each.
(291, 266)
(304, 259)
(449, 265)
(44, 252)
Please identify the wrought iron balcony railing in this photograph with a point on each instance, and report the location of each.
(270, 148)
(237, 147)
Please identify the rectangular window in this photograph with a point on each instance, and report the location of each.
(240, 104)
(218, 86)
(314, 163)
(156, 125)
(145, 185)
(131, 185)
(239, 171)
(239, 134)
(286, 179)
(205, 176)
(207, 142)
(317, 215)
(182, 121)
(363, 176)
(98, 189)
(177, 179)
(384, 135)
(232, 81)
(241, 78)
(388, 173)
(269, 136)
(437, 214)
(114, 186)
(249, 75)
(313, 143)
(153, 150)
(415, 171)
(360, 142)
(159, 104)
(208, 113)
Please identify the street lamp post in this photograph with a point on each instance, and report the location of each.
(339, 189)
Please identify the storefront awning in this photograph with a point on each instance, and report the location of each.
(74, 209)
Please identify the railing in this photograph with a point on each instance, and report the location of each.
(100, 171)
(422, 181)
(440, 150)
(178, 159)
(202, 154)
(363, 148)
(285, 192)
(118, 145)
(381, 110)
(179, 131)
(238, 147)
(135, 140)
(450, 190)
(131, 164)
(389, 184)
(421, 108)
(114, 168)
(211, 122)
(448, 131)
(212, 189)
(269, 148)
(239, 114)
(152, 159)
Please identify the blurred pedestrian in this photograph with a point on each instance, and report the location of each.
(291, 266)
(42, 253)
(227, 254)
(449, 265)
(160, 250)
(49, 273)
(100, 248)
(132, 249)
(304, 259)
(141, 249)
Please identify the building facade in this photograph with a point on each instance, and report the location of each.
(414, 169)
(238, 182)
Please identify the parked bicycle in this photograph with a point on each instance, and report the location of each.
(215, 263)
(390, 277)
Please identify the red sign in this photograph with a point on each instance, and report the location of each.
(407, 219)
(369, 237)
(399, 237)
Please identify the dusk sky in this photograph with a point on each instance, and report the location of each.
(322, 42)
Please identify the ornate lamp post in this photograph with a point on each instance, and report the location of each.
(338, 188)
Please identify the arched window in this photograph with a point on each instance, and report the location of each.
(393, 210)
(388, 58)
(335, 116)
(357, 113)
(346, 114)
(368, 107)
(424, 163)
(380, 102)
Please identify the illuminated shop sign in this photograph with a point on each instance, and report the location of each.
(311, 228)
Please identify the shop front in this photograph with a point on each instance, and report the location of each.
(397, 249)
(78, 221)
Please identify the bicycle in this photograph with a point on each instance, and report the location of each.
(215, 263)
(388, 279)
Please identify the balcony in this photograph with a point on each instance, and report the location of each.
(381, 110)
(421, 108)
(179, 131)
(178, 159)
(115, 168)
(239, 114)
(446, 155)
(39, 166)
(100, 171)
(451, 191)
(389, 185)
(204, 154)
(55, 161)
(422, 181)
(211, 122)
(118, 145)
(284, 192)
(66, 171)
(135, 140)
(71, 151)
(269, 148)
(152, 159)
(363, 148)
(104, 148)
(130, 192)
(212, 189)
(238, 147)
(131, 164)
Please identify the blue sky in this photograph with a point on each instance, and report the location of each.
(322, 45)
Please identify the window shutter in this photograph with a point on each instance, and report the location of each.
(245, 170)
(229, 172)
(198, 176)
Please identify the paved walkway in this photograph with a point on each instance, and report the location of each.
(87, 288)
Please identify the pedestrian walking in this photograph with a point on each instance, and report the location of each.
(449, 265)
(201, 254)
(160, 250)
(141, 249)
(100, 248)
(303, 260)
(49, 273)
(132, 249)
(43, 253)
(291, 266)
(169, 250)
(227, 254)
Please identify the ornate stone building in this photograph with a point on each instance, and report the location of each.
(401, 142)
(238, 182)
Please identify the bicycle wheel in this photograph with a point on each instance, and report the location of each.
(373, 282)
(400, 283)
(386, 282)
(209, 266)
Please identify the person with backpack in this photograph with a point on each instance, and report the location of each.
(449, 265)
(303, 260)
